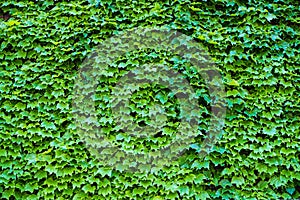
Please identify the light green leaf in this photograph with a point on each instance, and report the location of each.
(237, 180)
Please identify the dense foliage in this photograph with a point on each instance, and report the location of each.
(255, 46)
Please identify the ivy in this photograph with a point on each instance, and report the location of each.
(255, 47)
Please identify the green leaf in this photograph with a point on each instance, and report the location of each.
(88, 188)
(233, 93)
(105, 171)
(138, 191)
(237, 180)
(3, 152)
(199, 165)
(228, 171)
(291, 190)
(287, 151)
(158, 198)
(13, 23)
(8, 193)
(203, 195)
(48, 125)
(31, 158)
(269, 131)
(41, 174)
(162, 98)
(62, 106)
(183, 190)
(276, 182)
(270, 16)
(161, 118)
(189, 178)
(199, 178)
(51, 169)
(20, 106)
(233, 83)
(29, 187)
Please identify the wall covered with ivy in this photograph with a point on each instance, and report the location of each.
(255, 46)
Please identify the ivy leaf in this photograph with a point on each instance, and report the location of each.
(31, 158)
(41, 174)
(62, 106)
(58, 93)
(269, 131)
(233, 93)
(276, 182)
(195, 146)
(237, 180)
(233, 83)
(189, 178)
(88, 188)
(8, 193)
(138, 191)
(291, 190)
(48, 125)
(158, 198)
(20, 106)
(199, 178)
(203, 195)
(29, 187)
(161, 118)
(105, 171)
(162, 98)
(183, 190)
(270, 16)
(3, 152)
(287, 151)
(228, 171)
(13, 23)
